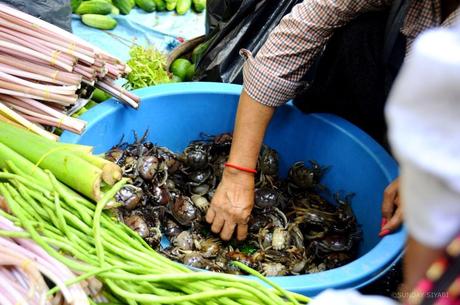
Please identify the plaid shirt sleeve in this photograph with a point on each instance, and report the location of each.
(274, 75)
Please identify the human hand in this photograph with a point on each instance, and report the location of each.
(391, 209)
(231, 205)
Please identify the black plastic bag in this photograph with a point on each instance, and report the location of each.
(220, 10)
(236, 25)
(57, 12)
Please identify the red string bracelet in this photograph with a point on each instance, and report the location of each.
(244, 169)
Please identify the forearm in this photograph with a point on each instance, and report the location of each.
(252, 119)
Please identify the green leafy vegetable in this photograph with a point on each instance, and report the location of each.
(148, 68)
(248, 250)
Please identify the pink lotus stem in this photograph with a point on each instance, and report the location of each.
(19, 276)
(18, 282)
(5, 297)
(113, 69)
(65, 123)
(37, 117)
(98, 63)
(52, 30)
(36, 45)
(20, 90)
(77, 124)
(122, 90)
(57, 107)
(25, 28)
(66, 77)
(50, 59)
(10, 114)
(11, 100)
(86, 68)
(52, 122)
(24, 57)
(64, 90)
(70, 49)
(32, 251)
(84, 73)
(42, 26)
(89, 82)
(32, 76)
(116, 93)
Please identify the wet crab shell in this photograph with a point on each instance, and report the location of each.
(200, 176)
(130, 196)
(280, 239)
(183, 241)
(161, 195)
(274, 269)
(184, 211)
(138, 224)
(115, 155)
(194, 259)
(266, 198)
(268, 161)
(171, 229)
(147, 167)
(209, 247)
(197, 155)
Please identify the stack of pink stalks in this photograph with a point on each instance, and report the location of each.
(23, 268)
(41, 69)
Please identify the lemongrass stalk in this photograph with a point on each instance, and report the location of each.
(23, 91)
(63, 90)
(47, 58)
(12, 115)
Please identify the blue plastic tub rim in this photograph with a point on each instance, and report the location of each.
(365, 269)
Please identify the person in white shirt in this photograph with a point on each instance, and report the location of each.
(423, 114)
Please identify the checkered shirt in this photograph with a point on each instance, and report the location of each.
(274, 76)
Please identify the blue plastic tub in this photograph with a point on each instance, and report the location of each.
(177, 113)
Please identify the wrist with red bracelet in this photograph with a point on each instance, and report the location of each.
(241, 168)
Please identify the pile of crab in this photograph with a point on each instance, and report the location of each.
(293, 229)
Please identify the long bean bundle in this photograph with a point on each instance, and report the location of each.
(89, 241)
(42, 68)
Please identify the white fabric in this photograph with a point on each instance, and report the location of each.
(423, 115)
(431, 209)
(349, 297)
